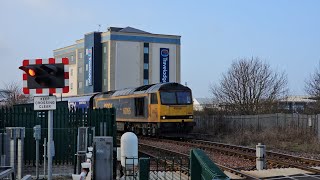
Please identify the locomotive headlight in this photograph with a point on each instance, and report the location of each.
(163, 117)
(190, 117)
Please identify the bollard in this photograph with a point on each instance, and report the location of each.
(20, 138)
(261, 157)
(12, 148)
(16, 136)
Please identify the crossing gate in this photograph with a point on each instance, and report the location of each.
(65, 128)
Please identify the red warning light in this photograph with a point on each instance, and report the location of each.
(31, 72)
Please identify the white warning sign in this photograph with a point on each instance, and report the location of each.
(45, 103)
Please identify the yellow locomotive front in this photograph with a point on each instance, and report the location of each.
(174, 109)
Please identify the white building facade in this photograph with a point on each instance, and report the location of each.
(121, 58)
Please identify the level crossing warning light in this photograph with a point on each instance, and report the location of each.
(45, 76)
(30, 72)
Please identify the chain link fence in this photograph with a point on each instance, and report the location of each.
(264, 122)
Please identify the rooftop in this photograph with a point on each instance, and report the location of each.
(127, 30)
(305, 99)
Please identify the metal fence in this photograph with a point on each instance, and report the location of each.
(65, 129)
(170, 168)
(197, 166)
(301, 122)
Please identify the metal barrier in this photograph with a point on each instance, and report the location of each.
(27, 177)
(7, 172)
(198, 167)
(169, 168)
(202, 168)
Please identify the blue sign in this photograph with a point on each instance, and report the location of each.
(164, 64)
(79, 104)
(89, 54)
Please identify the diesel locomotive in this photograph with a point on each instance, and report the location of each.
(156, 109)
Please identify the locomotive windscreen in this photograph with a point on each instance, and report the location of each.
(175, 97)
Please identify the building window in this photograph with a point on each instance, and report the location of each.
(145, 66)
(146, 74)
(146, 63)
(80, 70)
(71, 85)
(80, 55)
(87, 67)
(87, 83)
(71, 72)
(72, 58)
(146, 58)
(80, 84)
(105, 81)
(146, 50)
(105, 49)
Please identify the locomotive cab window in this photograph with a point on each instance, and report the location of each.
(168, 98)
(184, 97)
(139, 106)
(178, 98)
(154, 99)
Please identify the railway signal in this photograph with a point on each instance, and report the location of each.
(45, 76)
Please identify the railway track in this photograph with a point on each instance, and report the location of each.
(155, 147)
(274, 160)
(183, 165)
(154, 151)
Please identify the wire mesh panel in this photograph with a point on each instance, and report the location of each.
(169, 168)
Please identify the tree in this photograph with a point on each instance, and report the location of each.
(11, 95)
(312, 86)
(250, 87)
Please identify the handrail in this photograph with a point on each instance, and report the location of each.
(202, 168)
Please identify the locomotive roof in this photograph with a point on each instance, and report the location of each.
(77, 98)
(152, 88)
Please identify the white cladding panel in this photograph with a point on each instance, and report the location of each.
(73, 81)
(127, 64)
(155, 60)
(73, 78)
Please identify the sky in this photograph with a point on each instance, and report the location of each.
(284, 34)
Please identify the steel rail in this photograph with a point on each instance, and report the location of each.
(269, 153)
(244, 153)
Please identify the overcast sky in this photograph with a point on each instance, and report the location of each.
(285, 34)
